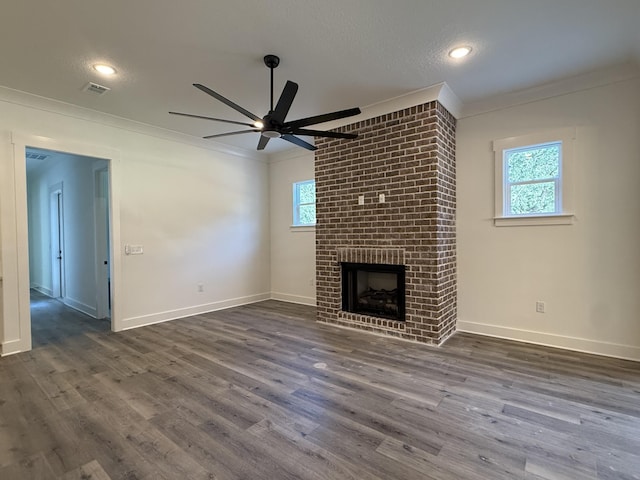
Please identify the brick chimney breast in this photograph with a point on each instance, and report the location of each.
(409, 157)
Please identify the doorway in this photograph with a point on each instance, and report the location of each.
(68, 218)
(16, 228)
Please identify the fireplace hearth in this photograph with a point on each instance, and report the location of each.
(376, 290)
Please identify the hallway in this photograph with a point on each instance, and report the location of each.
(52, 321)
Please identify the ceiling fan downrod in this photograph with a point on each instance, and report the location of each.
(271, 61)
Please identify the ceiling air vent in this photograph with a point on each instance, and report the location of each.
(95, 88)
(36, 156)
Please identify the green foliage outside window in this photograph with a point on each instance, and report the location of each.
(532, 179)
(533, 198)
(307, 192)
(536, 163)
(307, 214)
(304, 203)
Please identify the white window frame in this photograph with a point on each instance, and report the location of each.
(296, 205)
(564, 197)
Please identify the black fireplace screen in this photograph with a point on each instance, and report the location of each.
(374, 289)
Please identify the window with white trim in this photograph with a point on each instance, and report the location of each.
(304, 203)
(533, 178)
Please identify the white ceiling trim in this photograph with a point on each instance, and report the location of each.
(598, 78)
(440, 92)
(290, 154)
(36, 102)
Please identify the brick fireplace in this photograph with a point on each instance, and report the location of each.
(389, 198)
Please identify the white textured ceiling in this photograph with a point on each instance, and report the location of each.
(342, 53)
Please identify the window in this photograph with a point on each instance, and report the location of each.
(533, 179)
(304, 203)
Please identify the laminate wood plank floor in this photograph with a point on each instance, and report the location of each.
(263, 392)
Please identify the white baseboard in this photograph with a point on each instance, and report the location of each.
(285, 297)
(627, 352)
(143, 320)
(43, 290)
(12, 347)
(81, 307)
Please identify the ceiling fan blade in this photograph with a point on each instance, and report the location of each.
(263, 142)
(285, 101)
(321, 133)
(327, 117)
(228, 102)
(230, 133)
(211, 118)
(298, 141)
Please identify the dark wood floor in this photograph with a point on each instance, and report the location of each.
(263, 392)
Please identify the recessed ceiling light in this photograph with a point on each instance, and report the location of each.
(460, 52)
(104, 69)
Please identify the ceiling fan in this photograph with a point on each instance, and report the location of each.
(273, 124)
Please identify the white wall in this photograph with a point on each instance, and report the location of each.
(77, 176)
(293, 250)
(588, 273)
(39, 235)
(200, 211)
(203, 216)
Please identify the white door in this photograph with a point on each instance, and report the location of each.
(103, 267)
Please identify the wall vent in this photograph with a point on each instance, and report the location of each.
(36, 156)
(95, 88)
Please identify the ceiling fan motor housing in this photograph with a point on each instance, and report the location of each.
(271, 133)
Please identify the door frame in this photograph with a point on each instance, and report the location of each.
(16, 335)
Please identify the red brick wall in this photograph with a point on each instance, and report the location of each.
(409, 156)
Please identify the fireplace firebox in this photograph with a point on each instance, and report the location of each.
(372, 289)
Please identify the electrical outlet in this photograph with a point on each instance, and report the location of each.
(200, 288)
(381, 198)
(360, 199)
(539, 307)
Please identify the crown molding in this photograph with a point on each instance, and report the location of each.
(29, 100)
(564, 86)
(289, 154)
(440, 92)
